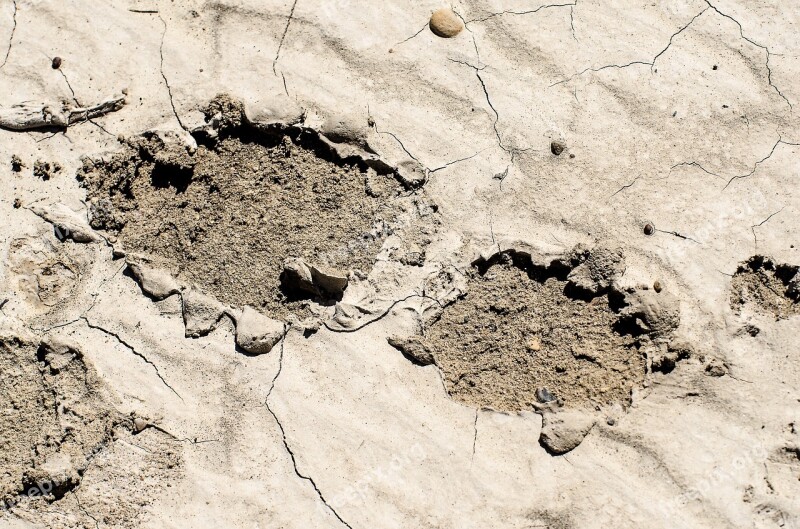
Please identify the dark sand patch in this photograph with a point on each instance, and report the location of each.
(228, 215)
(772, 288)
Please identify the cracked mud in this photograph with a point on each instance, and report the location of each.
(541, 386)
(228, 216)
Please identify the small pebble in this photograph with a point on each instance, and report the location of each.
(534, 345)
(544, 396)
(714, 67)
(557, 147)
(657, 286)
(649, 229)
(139, 424)
(445, 23)
(56, 63)
(611, 421)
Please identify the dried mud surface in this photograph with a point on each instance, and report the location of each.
(226, 217)
(767, 286)
(515, 333)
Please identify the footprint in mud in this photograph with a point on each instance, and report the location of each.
(525, 335)
(46, 273)
(253, 217)
(767, 286)
(59, 420)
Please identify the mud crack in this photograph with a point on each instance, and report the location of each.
(289, 450)
(757, 45)
(164, 77)
(132, 349)
(513, 151)
(283, 37)
(683, 28)
(754, 226)
(515, 12)
(731, 179)
(11, 37)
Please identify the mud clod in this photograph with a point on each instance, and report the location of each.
(257, 334)
(156, 283)
(563, 431)
(413, 349)
(225, 111)
(67, 224)
(16, 164)
(597, 271)
(544, 396)
(716, 368)
(201, 313)
(647, 312)
(139, 424)
(300, 278)
(669, 357)
(103, 216)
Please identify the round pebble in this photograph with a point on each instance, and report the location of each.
(649, 229)
(544, 396)
(657, 286)
(557, 147)
(56, 63)
(445, 23)
(139, 424)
